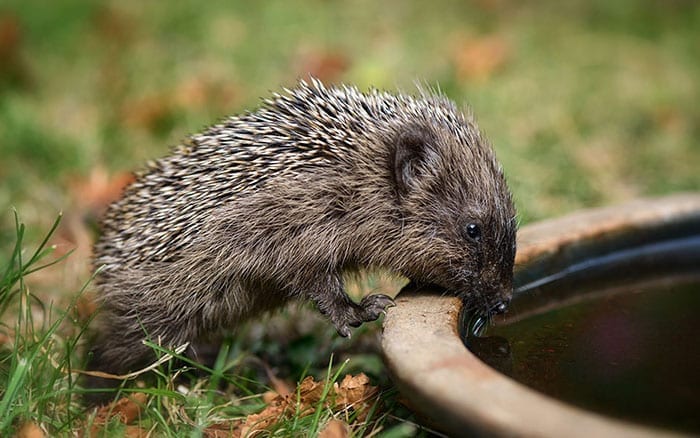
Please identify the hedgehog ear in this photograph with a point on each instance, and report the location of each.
(411, 150)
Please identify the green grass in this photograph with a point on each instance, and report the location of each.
(40, 359)
(593, 102)
(34, 356)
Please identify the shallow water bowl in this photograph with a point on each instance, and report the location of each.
(601, 338)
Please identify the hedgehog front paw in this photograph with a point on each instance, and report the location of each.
(343, 330)
(372, 306)
(367, 310)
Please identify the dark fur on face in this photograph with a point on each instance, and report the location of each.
(468, 220)
(276, 205)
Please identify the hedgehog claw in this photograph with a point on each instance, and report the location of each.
(344, 331)
(369, 309)
(374, 305)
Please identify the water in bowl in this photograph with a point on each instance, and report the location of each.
(631, 352)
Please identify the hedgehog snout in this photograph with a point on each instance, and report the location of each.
(500, 307)
(494, 296)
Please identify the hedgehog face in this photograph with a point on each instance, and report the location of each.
(455, 201)
(484, 274)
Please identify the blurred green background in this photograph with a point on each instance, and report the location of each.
(586, 102)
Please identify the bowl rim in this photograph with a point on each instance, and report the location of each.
(454, 391)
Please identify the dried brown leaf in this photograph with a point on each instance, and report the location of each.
(355, 388)
(13, 68)
(135, 432)
(479, 58)
(310, 391)
(335, 429)
(269, 396)
(115, 26)
(127, 409)
(150, 112)
(192, 92)
(279, 386)
(670, 119)
(327, 65)
(10, 36)
(30, 430)
(94, 192)
(85, 307)
(261, 421)
(228, 429)
(355, 392)
(205, 91)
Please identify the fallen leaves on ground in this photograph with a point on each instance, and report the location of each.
(206, 90)
(228, 429)
(355, 392)
(126, 410)
(352, 393)
(30, 430)
(479, 58)
(94, 192)
(327, 65)
(13, 68)
(335, 429)
(85, 307)
(279, 386)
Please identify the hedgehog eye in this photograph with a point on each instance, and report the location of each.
(473, 231)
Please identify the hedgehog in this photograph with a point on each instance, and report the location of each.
(280, 204)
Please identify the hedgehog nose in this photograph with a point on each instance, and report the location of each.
(500, 307)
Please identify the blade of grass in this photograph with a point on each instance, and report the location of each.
(330, 380)
(30, 353)
(17, 377)
(9, 278)
(39, 253)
